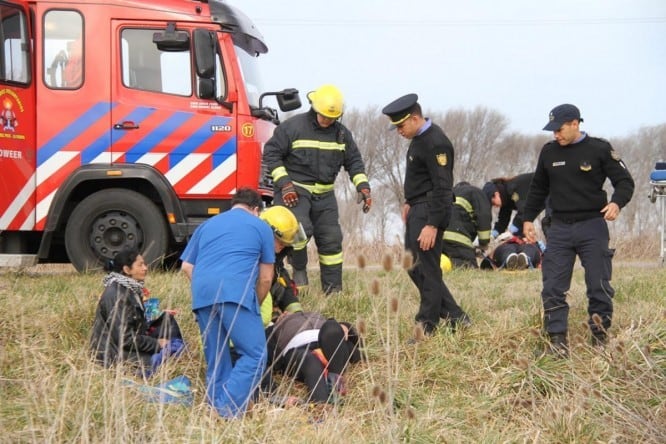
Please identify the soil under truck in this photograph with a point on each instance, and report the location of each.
(125, 123)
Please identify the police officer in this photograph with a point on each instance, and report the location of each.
(427, 210)
(304, 157)
(572, 169)
(470, 219)
(508, 194)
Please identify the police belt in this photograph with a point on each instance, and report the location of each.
(423, 198)
(574, 218)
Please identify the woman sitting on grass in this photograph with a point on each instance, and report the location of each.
(121, 331)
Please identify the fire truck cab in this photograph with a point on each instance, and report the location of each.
(125, 124)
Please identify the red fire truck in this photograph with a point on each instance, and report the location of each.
(125, 123)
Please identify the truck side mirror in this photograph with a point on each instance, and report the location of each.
(171, 40)
(207, 89)
(288, 99)
(205, 46)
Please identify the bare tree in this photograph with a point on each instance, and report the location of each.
(484, 150)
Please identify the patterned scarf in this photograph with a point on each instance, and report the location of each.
(133, 285)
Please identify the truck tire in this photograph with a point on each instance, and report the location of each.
(110, 221)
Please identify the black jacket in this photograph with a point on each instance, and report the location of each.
(120, 328)
(302, 151)
(514, 195)
(283, 288)
(429, 175)
(574, 177)
(471, 216)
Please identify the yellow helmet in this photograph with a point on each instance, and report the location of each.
(327, 100)
(284, 224)
(445, 263)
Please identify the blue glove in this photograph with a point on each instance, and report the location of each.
(513, 229)
(494, 234)
(176, 347)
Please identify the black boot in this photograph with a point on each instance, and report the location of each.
(599, 339)
(558, 346)
(300, 278)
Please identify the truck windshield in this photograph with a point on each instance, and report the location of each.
(251, 76)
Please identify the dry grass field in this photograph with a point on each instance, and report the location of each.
(484, 384)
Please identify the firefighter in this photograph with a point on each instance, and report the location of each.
(470, 219)
(287, 231)
(304, 157)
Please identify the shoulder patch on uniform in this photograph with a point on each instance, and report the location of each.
(615, 155)
(515, 197)
(442, 159)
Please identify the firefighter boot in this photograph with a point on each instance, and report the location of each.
(300, 278)
(299, 264)
(331, 278)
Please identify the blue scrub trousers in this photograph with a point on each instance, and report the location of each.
(229, 386)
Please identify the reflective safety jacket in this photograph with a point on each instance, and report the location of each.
(310, 156)
(471, 216)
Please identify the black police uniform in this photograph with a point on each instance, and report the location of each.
(428, 191)
(574, 176)
(471, 218)
(310, 156)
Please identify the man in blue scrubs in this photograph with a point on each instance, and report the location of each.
(229, 260)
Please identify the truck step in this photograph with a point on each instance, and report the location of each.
(18, 260)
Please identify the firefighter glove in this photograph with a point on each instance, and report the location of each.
(289, 195)
(365, 197)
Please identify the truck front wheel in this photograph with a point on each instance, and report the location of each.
(110, 221)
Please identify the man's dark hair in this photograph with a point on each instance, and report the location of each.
(416, 110)
(247, 196)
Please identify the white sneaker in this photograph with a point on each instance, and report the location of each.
(523, 261)
(512, 262)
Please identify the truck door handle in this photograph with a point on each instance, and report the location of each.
(126, 125)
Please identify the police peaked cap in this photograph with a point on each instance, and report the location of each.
(401, 109)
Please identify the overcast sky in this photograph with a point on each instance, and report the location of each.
(519, 57)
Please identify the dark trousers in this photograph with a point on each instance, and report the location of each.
(319, 216)
(164, 327)
(589, 240)
(436, 299)
(304, 366)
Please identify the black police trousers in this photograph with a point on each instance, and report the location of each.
(436, 299)
(589, 240)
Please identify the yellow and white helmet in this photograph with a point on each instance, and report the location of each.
(286, 227)
(327, 100)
